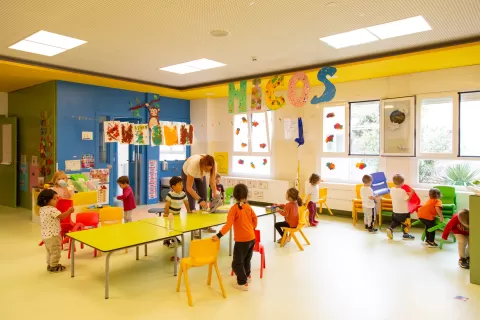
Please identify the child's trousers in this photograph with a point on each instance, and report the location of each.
(127, 216)
(312, 211)
(430, 236)
(54, 250)
(463, 245)
(402, 219)
(242, 256)
(369, 215)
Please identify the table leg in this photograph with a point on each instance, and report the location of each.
(230, 243)
(183, 246)
(274, 230)
(145, 250)
(200, 233)
(107, 273)
(72, 256)
(138, 252)
(175, 257)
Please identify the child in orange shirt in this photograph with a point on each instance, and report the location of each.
(427, 214)
(244, 222)
(290, 212)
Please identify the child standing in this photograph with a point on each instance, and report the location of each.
(312, 198)
(220, 188)
(427, 214)
(50, 218)
(290, 212)
(127, 197)
(60, 186)
(175, 198)
(368, 203)
(244, 221)
(459, 225)
(401, 214)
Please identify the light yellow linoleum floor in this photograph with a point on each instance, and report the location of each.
(345, 274)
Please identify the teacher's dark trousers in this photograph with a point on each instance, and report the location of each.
(199, 185)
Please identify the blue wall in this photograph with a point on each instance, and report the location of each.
(78, 100)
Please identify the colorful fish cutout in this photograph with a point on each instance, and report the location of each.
(244, 145)
(329, 138)
(330, 165)
(244, 120)
(263, 145)
(264, 162)
(330, 115)
(338, 126)
(255, 124)
(241, 162)
(361, 165)
(252, 165)
(237, 131)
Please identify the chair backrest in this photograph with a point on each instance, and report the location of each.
(379, 183)
(88, 219)
(228, 193)
(322, 193)
(357, 191)
(63, 205)
(257, 240)
(204, 251)
(110, 216)
(388, 196)
(448, 194)
(302, 216)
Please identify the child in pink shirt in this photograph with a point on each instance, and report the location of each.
(290, 212)
(127, 197)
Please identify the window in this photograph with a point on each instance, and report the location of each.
(436, 125)
(469, 115)
(448, 172)
(365, 128)
(334, 129)
(346, 169)
(252, 140)
(173, 153)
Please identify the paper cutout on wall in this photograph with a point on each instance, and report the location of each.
(88, 161)
(153, 114)
(186, 134)
(330, 165)
(329, 138)
(255, 124)
(46, 145)
(361, 165)
(300, 140)
(330, 115)
(244, 120)
(252, 165)
(33, 176)
(265, 162)
(142, 136)
(237, 131)
(240, 94)
(241, 162)
(156, 136)
(126, 130)
(330, 90)
(256, 94)
(103, 175)
(221, 159)
(244, 145)
(273, 102)
(263, 145)
(111, 131)
(338, 126)
(292, 89)
(171, 135)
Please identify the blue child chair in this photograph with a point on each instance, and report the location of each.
(379, 184)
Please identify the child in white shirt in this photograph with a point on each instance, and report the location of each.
(175, 199)
(401, 214)
(312, 198)
(368, 203)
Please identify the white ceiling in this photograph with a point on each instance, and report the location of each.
(132, 39)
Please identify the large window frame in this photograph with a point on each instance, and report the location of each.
(350, 128)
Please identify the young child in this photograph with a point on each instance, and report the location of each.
(127, 197)
(401, 214)
(244, 222)
(50, 218)
(220, 188)
(368, 203)
(427, 214)
(290, 212)
(59, 185)
(459, 225)
(175, 198)
(312, 198)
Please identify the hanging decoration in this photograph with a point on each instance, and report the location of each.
(186, 134)
(330, 90)
(361, 165)
(255, 124)
(141, 134)
(256, 102)
(263, 145)
(46, 145)
(111, 131)
(240, 94)
(126, 133)
(244, 120)
(265, 162)
(338, 126)
(300, 140)
(244, 145)
(171, 135)
(330, 165)
(153, 110)
(237, 131)
(241, 162)
(330, 115)
(252, 165)
(292, 89)
(273, 102)
(156, 137)
(329, 138)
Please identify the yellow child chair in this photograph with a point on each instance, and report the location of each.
(356, 204)
(322, 200)
(202, 252)
(110, 216)
(302, 212)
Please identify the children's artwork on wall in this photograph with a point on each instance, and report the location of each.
(256, 100)
(300, 140)
(23, 177)
(252, 184)
(273, 102)
(264, 162)
(244, 144)
(111, 131)
(142, 136)
(126, 133)
(171, 135)
(186, 134)
(153, 110)
(252, 165)
(262, 185)
(103, 175)
(88, 161)
(258, 195)
(240, 94)
(237, 132)
(292, 89)
(397, 125)
(72, 165)
(102, 194)
(221, 159)
(330, 90)
(156, 136)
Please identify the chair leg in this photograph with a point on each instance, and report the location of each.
(262, 258)
(179, 278)
(187, 286)
(354, 213)
(321, 210)
(232, 273)
(328, 209)
(423, 236)
(441, 244)
(304, 237)
(209, 280)
(220, 281)
(284, 238)
(296, 241)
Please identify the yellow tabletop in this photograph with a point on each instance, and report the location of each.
(121, 236)
(186, 222)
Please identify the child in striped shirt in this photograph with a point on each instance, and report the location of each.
(174, 199)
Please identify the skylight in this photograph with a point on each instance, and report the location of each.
(47, 43)
(193, 66)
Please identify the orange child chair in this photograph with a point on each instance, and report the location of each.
(85, 220)
(322, 200)
(202, 252)
(260, 249)
(302, 212)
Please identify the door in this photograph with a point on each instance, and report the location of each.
(8, 161)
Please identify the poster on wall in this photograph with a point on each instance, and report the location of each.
(111, 131)
(170, 133)
(252, 184)
(291, 128)
(23, 177)
(141, 134)
(221, 158)
(152, 179)
(156, 136)
(186, 134)
(102, 194)
(397, 125)
(262, 185)
(126, 130)
(87, 161)
(33, 176)
(72, 165)
(103, 175)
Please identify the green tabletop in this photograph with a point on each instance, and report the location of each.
(121, 236)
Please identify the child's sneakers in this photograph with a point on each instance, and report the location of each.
(463, 263)
(407, 236)
(389, 233)
(372, 230)
(240, 287)
(431, 244)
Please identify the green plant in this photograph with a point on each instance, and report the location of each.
(461, 174)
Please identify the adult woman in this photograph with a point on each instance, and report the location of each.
(194, 172)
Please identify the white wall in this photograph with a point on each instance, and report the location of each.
(3, 103)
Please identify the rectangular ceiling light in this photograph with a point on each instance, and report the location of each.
(400, 27)
(348, 39)
(47, 43)
(193, 66)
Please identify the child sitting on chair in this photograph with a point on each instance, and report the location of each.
(290, 212)
(175, 198)
(400, 214)
(220, 188)
(312, 198)
(244, 221)
(368, 203)
(459, 225)
(427, 214)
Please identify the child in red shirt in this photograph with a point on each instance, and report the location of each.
(459, 225)
(127, 197)
(290, 212)
(427, 214)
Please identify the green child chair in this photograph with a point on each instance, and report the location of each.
(228, 194)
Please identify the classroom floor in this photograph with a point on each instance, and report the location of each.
(345, 274)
